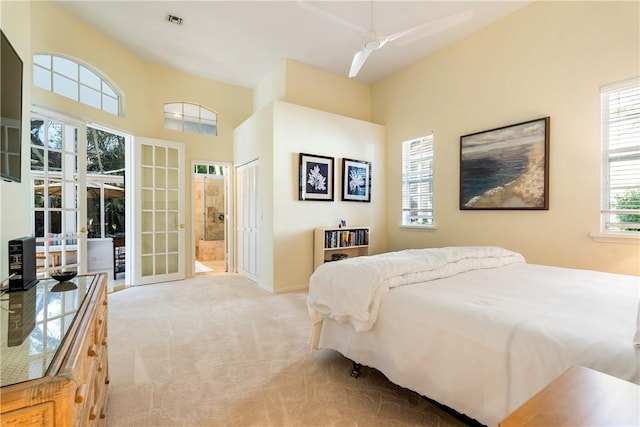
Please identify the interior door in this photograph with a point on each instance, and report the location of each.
(247, 219)
(159, 241)
(58, 171)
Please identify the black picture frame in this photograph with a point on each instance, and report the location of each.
(316, 177)
(506, 168)
(356, 180)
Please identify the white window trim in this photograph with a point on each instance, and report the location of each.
(103, 79)
(419, 227)
(628, 238)
(422, 227)
(604, 236)
(183, 118)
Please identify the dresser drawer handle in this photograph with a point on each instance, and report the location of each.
(93, 413)
(107, 380)
(104, 341)
(100, 321)
(92, 350)
(104, 302)
(81, 393)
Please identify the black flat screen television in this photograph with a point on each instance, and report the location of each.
(10, 112)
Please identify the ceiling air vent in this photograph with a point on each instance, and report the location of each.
(172, 19)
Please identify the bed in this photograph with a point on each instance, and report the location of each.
(475, 328)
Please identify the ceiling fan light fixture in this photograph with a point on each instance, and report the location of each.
(373, 44)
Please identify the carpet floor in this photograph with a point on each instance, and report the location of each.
(216, 350)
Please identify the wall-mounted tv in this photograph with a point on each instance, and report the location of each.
(10, 112)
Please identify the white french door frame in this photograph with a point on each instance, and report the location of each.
(128, 185)
(72, 187)
(158, 242)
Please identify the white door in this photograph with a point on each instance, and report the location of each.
(159, 241)
(58, 170)
(247, 219)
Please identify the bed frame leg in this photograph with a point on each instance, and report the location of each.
(355, 371)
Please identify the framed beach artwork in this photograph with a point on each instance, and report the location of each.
(316, 177)
(506, 168)
(356, 180)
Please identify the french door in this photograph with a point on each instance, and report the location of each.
(58, 170)
(159, 218)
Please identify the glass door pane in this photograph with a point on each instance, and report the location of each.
(58, 186)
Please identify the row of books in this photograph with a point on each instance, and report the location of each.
(345, 238)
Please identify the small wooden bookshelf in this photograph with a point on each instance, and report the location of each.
(349, 241)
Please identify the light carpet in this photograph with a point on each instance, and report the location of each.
(217, 350)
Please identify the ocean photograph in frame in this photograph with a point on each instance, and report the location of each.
(506, 168)
(316, 177)
(356, 180)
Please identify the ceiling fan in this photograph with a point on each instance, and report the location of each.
(375, 41)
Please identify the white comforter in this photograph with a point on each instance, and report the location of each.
(484, 341)
(351, 290)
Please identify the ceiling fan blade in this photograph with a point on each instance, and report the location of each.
(429, 28)
(330, 16)
(358, 61)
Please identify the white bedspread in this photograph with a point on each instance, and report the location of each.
(485, 341)
(351, 290)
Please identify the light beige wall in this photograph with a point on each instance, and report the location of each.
(298, 130)
(304, 85)
(14, 197)
(272, 88)
(233, 104)
(550, 58)
(146, 87)
(324, 91)
(53, 30)
(276, 135)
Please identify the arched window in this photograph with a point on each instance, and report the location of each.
(187, 117)
(67, 77)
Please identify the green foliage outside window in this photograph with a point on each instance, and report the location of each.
(105, 156)
(629, 200)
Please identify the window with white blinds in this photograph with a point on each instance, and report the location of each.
(621, 157)
(417, 181)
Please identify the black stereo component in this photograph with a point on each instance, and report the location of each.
(22, 263)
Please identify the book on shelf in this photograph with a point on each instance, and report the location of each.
(345, 238)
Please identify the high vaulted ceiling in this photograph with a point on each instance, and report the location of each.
(241, 42)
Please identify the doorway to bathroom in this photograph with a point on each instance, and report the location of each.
(211, 190)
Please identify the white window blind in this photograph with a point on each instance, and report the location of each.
(417, 181)
(621, 157)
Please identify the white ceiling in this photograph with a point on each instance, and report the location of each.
(241, 42)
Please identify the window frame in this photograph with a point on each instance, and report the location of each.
(189, 122)
(422, 179)
(610, 226)
(80, 82)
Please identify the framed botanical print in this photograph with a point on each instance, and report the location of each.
(316, 177)
(356, 180)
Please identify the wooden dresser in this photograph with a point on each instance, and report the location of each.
(54, 368)
(580, 397)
